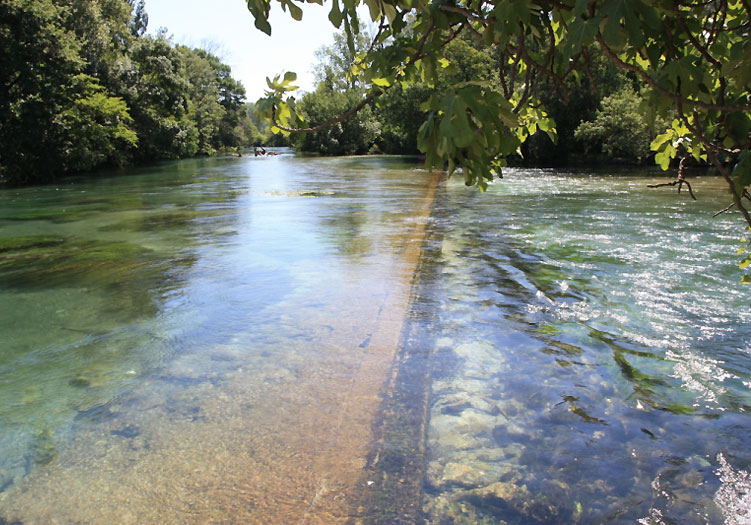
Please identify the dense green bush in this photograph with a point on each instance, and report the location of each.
(619, 128)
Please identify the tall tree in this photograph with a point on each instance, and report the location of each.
(81, 87)
(157, 94)
(40, 57)
(334, 63)
(139, 21)
(215, 101)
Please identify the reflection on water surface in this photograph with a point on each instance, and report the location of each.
(204, 341)
(290, 340)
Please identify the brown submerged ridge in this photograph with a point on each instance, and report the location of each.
(371, 387)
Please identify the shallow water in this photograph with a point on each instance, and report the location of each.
(591, 354)
(301, 340)
(201, 341)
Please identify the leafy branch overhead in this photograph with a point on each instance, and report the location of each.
(693, 58)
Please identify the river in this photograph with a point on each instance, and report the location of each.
(311, 340)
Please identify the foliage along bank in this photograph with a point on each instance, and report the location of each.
(82, 87)
(600, 120)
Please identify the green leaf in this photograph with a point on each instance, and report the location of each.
(663, 157)
(375, 9)
(739, 125)
(582, 32)
(295, 11)
(659, 140)
(613, 34)
(580, 7)
(335, 15)
(383, 82)
(462, 134)
(390, 12)
(258, 9)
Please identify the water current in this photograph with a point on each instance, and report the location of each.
(591, 356)
(305, 340)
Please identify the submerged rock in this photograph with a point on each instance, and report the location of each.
(502, 502)
(471, 429)
(466, 473)
(6, 480)
(42, 450)
(128, 431)
(79, 382)
(480, 358)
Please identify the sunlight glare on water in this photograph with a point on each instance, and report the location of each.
(589, 360)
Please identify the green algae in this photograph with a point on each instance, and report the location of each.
(72, 213)
(163, 219)
(69, 257)
(15, 244)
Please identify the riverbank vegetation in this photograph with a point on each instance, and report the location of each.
(83, 86)
(601, 120)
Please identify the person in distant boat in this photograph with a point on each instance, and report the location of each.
(259, 151)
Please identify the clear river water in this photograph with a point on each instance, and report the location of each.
(356, 340)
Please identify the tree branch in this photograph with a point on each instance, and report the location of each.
(703, 50)
(522, 50)
(467, 14)
(729, 207)
(370, 98)
(680, 181)
(649, 80)
(341, 118)
(502, 76)
(736, 198)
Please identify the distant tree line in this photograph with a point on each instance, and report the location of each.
(599, 120)
(82, 87)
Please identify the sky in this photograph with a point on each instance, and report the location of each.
(252, 55)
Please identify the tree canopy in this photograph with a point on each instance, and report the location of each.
(693, 59)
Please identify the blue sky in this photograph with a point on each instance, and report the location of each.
(252, 55)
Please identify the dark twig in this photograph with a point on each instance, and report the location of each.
(467, 14)
(746, 194)
(680, 181)
(699, 47)
(725, 175)
(502, 75)
(730, 207)
(521, 50)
